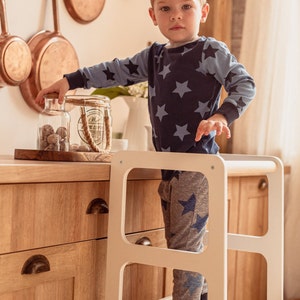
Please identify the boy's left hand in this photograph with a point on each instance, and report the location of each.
(216, 122)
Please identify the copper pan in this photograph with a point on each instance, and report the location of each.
(52, 57)
(14, 53)
(84, 11)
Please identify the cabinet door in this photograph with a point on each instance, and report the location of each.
(40, 215)
(61, 273)
(147, 282)
(143, 206)
(247, 272)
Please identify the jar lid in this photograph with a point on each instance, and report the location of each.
(51, 104)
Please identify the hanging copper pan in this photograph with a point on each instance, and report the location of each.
(53, 56)
(14, 53)
(84, 11)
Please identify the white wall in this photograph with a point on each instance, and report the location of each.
(122, 29)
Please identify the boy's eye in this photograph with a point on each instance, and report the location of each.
(165, 8)
(186, 6)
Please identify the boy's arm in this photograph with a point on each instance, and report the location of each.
(113, 73)
(239, 85)
(219, 62)
(117, 72)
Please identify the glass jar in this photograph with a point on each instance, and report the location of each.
(54, 126)
(94, 125)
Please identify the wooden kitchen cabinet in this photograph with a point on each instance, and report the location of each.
(62, 217)
(51, 215)
(53, 227)
(49, 211)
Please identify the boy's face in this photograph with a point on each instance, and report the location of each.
(178, 20)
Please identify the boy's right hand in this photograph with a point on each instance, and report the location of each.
(216, 123)
(60, 87)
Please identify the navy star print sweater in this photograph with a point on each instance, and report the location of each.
(184, 88)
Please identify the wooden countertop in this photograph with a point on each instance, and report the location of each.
(32, 171)
(17, 171)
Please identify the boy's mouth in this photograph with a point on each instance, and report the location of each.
(176, 27)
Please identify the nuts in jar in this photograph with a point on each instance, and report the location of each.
(54, 126)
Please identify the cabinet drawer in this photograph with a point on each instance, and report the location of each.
(63, 273)
(143, 206)
(39, 215)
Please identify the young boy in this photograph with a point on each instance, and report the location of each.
(185, 77)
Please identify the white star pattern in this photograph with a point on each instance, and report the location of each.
(182, 88)
(161, 112)
(166, 70)
(202, 108)
(181, 131)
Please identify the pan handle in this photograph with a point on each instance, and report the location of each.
(55, 17)
(3, 19)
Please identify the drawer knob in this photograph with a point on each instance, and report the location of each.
(262, 185)
(97, 206)
(36, 264)
(144, 241)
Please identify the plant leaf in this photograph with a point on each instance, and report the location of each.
(112, 92)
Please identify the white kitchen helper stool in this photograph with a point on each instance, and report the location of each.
(212, 263)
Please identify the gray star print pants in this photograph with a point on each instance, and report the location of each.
(185, 211)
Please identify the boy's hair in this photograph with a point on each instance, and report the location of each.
(201, 1)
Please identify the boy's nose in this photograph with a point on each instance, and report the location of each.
(176, 16)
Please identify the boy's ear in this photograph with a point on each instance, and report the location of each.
(205, 11)
(152, 15)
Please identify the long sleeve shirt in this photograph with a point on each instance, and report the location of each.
(184, 88)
